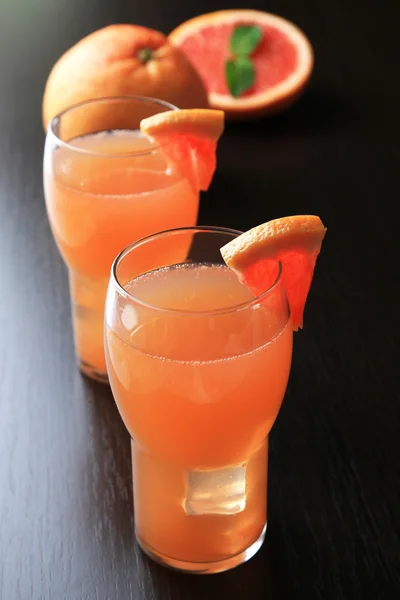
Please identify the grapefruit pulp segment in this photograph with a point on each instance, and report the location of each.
(188, 140)
(293, 241)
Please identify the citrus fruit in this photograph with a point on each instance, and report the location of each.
(282, 59)
(122, 60)
(188, 139)
(293, 241)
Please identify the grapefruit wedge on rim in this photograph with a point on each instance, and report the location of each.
(293, 241)
(188, 139)
(280, 56)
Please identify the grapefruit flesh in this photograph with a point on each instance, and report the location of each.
(293, 241)
(188, 139)
(283, 60)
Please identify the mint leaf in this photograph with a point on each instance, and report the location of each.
(240, 75)
(245, 39)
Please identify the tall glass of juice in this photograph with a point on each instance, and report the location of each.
(198, 368)
(106, 185)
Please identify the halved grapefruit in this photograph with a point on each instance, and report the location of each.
(282, 60)
(188, 139)
(293, 241)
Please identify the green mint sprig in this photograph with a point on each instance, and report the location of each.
(239, 69)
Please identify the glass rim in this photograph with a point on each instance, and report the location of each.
(70, 146)
(176, 311)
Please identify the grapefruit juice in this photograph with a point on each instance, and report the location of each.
(198, 369)
(102, 191)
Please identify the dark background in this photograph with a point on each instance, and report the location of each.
(66, 527)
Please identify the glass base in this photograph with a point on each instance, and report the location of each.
(203, 567)
(93, 373)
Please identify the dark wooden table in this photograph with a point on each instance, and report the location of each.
(66, 527)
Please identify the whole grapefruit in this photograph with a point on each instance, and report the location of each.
(282, 59)
(122, 60)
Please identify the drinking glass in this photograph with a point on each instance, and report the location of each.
(198, 368)
(105, 185)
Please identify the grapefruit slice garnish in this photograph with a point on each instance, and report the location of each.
(283, 59)
(295, 242)
(188, 140)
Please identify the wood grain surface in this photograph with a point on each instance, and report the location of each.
(66, 525)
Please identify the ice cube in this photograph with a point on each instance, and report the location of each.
(216, 492)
